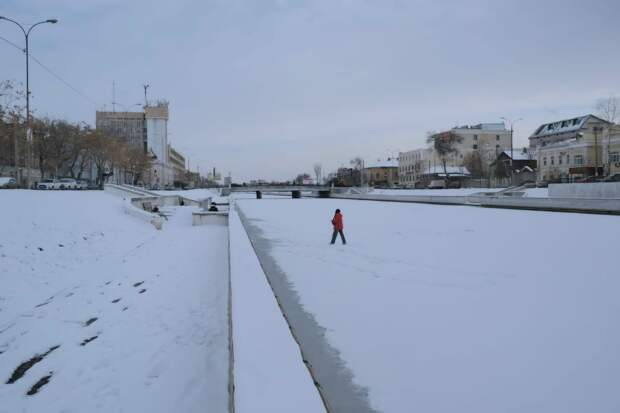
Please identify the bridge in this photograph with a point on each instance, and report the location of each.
(294, 190)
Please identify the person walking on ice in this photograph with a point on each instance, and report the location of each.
(338, 227)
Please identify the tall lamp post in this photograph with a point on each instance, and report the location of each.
(28, 125)
(512, 124)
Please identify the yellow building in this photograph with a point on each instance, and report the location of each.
(574, 148)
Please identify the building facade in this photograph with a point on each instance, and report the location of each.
(575, 148)
(177, 162)
(381, 173)
(488, 139)
(411, 165)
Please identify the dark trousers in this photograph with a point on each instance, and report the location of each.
(335, 234)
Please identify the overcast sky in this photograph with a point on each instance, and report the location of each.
(266, 88)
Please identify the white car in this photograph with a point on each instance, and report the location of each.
(7, 182)
(82, 184)
(67, 183)
(49, 184)
(437, 184)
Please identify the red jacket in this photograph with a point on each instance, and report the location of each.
(337, 222)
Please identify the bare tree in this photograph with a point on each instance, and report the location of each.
(317, 172)
(445, 144)
(608, 108)
(474, 164)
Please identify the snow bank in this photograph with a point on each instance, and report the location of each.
(447, 308)
(269, 372)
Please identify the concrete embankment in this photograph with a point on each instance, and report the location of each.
(591, 206)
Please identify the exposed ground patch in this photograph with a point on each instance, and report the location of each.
(42, 382)
(138, 284)
(116, 301)
(90, 321)
(88, 340)
(142, 290)
(19, 372)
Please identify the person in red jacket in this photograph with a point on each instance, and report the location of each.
(338, 227)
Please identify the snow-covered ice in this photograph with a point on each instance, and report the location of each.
(453, 308)
(139, 314)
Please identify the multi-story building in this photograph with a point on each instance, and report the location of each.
(149, 130)
(177, 162)
(574, 148)
(488, 139)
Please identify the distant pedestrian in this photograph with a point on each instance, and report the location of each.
(338, 227)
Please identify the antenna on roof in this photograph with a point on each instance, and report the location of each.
(146, 101)
(113, 96)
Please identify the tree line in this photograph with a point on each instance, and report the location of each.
(61, 148)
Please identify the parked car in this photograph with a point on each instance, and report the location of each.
(542, 184)
(437, 184)
(82, 184)
(7, 182)
(612, 178)
(67, 183)
(49, 184)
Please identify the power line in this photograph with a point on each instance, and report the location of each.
(51, 72)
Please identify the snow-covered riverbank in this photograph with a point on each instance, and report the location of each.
(136, 317)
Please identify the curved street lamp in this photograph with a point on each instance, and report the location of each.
(512, 124)
(28, 127)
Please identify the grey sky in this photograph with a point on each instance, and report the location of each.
(264, 89)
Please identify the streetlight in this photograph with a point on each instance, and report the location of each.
(512, 123)
(28, 126)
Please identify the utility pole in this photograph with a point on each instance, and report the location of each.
(512, 123)
(113, 96)
(596, 130)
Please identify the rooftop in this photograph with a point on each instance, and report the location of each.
(564, 126)
(388, 163)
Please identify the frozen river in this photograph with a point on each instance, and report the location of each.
(447, 308)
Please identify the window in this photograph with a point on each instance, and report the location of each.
(475, 146)
(496, 137)
(567, 159)
(560, 160)
(545, 161)
(578, 159)
(496, 146)
(475, 137)
(552, 160)
(614, 157)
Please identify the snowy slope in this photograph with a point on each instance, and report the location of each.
(448, 308)
(139, 315)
